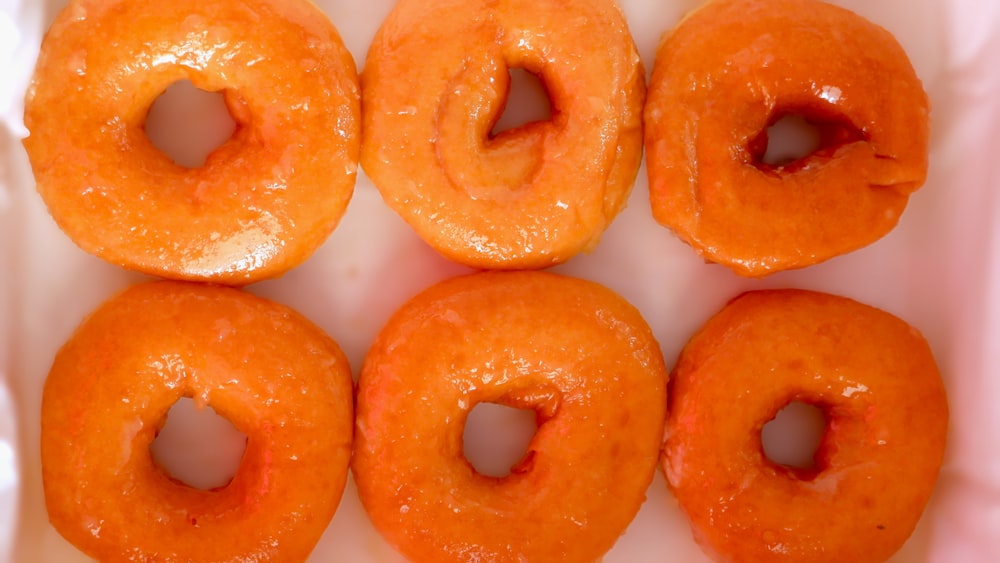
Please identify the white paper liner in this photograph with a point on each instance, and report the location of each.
(939, 270)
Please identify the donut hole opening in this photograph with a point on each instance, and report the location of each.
(496, 438)
(186, 123)
(791, 138)
(198, 447)
(527, 101)
(793, 437)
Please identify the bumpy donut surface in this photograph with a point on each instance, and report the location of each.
(573, 351)
(275, 376)
(434, 84)
(875, 380)
(734, 67)
(263, 201)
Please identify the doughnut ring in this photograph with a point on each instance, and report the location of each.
(528, 197)
(275, 376)
(577, 354)
(875, 380)
(734, 67)
(263, 201)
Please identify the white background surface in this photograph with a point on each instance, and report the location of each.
(939, 270)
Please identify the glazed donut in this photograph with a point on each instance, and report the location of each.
(275, 376)
(263, 201)
(734, 67)
(529, 197)
(577, 354)
(872, 376)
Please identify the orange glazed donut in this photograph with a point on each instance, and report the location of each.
(263, 201)
(577, 354)
(734, 67)
(275, 376)
(872, 376)
(435, 83)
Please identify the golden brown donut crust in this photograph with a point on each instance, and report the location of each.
(263, 201)
(875, 379)
(573, 351)
(435, 82)
(732, 68)
(274, 375)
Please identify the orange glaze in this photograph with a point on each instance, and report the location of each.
(435, 83)
(573, 351)
(874, 378)
(732, 68)
(263, 201)
(275, 376)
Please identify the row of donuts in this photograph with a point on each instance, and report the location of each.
(576, 353)
(419, 122)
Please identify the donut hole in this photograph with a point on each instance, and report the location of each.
(793, 137)
(186, 123)
(789, 139)
(197, 446)
(496, 438)
(527, 101)
(793, 437)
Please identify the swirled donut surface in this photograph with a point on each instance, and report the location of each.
(434, 84)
